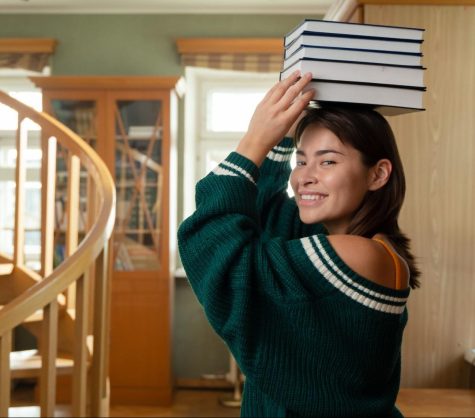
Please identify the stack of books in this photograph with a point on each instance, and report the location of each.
(373, 65)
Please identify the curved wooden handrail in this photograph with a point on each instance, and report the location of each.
(78, 267)
(67, 272)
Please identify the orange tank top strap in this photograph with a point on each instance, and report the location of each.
(396, 259)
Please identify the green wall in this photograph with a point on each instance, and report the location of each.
(134, 44)
(145, 45)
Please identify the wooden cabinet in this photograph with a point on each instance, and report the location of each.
(130, 121)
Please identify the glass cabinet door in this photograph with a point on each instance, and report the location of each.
(78, 115)
(81, 117)
(139, 182)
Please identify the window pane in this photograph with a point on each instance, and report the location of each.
(9, 117)
(231, 111)
(215, 156)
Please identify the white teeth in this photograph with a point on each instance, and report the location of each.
(311, 197)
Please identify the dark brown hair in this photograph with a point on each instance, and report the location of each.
(367, 131)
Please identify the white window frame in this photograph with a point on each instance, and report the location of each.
(198, 141)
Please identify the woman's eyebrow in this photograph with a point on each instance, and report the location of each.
(320, 152)
(326, 151)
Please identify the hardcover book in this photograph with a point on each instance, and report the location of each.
(388, 100)
(374, 44)
(358, 71)
(355, 29)
(359, 55)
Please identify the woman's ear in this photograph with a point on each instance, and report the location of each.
(380, 174)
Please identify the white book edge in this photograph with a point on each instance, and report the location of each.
(358, 72)
(401, 99)
(349, 54)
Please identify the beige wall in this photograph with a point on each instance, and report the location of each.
(438, 152)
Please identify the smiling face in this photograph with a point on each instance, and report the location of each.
(330, 179)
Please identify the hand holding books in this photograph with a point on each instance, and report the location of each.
(274, 116)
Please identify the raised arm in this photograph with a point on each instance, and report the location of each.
(269, 145)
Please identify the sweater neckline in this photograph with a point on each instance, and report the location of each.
(346, 271)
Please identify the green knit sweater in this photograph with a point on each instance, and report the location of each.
(312, 337)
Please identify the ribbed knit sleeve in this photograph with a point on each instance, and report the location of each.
(228, 264)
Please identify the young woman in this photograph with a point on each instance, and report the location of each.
(309, 293)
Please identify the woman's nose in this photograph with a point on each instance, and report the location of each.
(306, 179)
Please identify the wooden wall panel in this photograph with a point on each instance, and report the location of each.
(438, 151)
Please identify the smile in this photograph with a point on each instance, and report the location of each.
(311, 199)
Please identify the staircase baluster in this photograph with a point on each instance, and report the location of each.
(101, 334)
(80, 353)
(48, 349)
(72, 217)
(5, 349)
(48, 183)
(20, 176)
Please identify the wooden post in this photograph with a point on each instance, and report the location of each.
(20, 177)
(48, 182)
(5, 378)
(80, 353)
(82, 320)
(72, 216)
(101, 334)
(49, 349)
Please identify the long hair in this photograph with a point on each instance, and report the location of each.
(367, 131)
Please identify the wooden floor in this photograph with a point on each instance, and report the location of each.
(437, 402)
(187, 403)
(207, 403)
(412, 403)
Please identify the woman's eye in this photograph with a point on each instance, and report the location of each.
(300, 163)
(328, 162)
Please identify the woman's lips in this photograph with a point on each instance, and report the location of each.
(310, 199)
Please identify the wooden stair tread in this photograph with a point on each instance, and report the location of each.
(38, 315)
(27, 363)
(6, 269)
(35, 411)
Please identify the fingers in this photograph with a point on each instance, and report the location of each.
(298, 105)
(287, 98)
(293, 91)
(280, 88)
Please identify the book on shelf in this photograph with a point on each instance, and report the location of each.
(85, 125)
(354, 29)
(387, 99)
(359, 55)
(144, 132)
(358, 71)
(373, 44)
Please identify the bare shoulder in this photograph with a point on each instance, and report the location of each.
(366, 257)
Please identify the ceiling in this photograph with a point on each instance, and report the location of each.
(167, 6)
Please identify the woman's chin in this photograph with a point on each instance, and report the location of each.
(309, 220)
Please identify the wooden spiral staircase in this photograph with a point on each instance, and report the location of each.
(66, 306)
